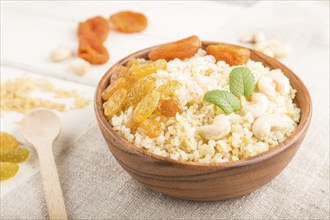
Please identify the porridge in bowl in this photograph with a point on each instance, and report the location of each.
(208, 106)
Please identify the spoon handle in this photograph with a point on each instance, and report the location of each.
(51, 183)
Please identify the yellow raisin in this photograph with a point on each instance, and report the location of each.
(7, 170)
(139, 89)
(168, 88)
(7, 140)
(138, 71)
(132, 62)
(146, 106)
(113, 87)
(114, 103)
(13, 154)
(151, 128)
(169, 107)
(120, 72)
(133, 125)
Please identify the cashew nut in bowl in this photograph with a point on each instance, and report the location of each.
(217, 130)
(266, 123)
(275, 80)
(282, 82)
(258, 106)
(266, 86)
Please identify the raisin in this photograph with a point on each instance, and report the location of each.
(92, 51)
(7, 170)
(133, 125)
(181, 49)
(232, 55)
(7, 140)
(13, 154)
(95, 28)
(107, 93)
(138, 71)
(132, 62)
(169, 107)
(139, 89)
(114, 103)
(146, 106)
(168, 88)
(120, 72)
(129, 21)
(151, 128)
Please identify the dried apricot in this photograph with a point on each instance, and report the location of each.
(146, 106)
(232, 55)
(133, 125)
(138, 71)
(95, 28)
(114, 103)
(13, 154)
(7, 140)
(181, 49)
(7, 170)
(107, 93)
(168, 88)
(129, 21)
(151, 128)
(92, 51)
(169, 107)
(139, 89)
(120, 72)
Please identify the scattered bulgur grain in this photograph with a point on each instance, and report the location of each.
(15, 95)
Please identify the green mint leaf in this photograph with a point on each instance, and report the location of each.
(224, 100)
(242, 82)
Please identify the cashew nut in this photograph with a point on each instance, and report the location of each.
(247, 38)
(268, 52)
(258, 106)
(282, 82)
(79, 66)
(61, 53)
(274, 81)
(259, 37)
(282, 51)
(266, 123)
(272, 48)
(266, 86)
(219, 129)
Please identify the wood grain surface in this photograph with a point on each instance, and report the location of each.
(199, 181)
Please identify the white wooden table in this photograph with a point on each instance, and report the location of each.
(30, 30)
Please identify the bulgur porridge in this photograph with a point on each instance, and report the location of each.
(201, 108)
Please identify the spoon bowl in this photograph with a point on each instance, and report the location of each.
(39, 126)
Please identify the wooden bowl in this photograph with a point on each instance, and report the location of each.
(199, 181)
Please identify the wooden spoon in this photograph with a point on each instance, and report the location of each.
(40, 128)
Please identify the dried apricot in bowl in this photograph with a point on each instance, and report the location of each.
(181, 49)
(92, 51)
(129, 21)
(233, 55)
(95, 28)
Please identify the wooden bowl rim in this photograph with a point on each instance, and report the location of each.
(131, 148)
